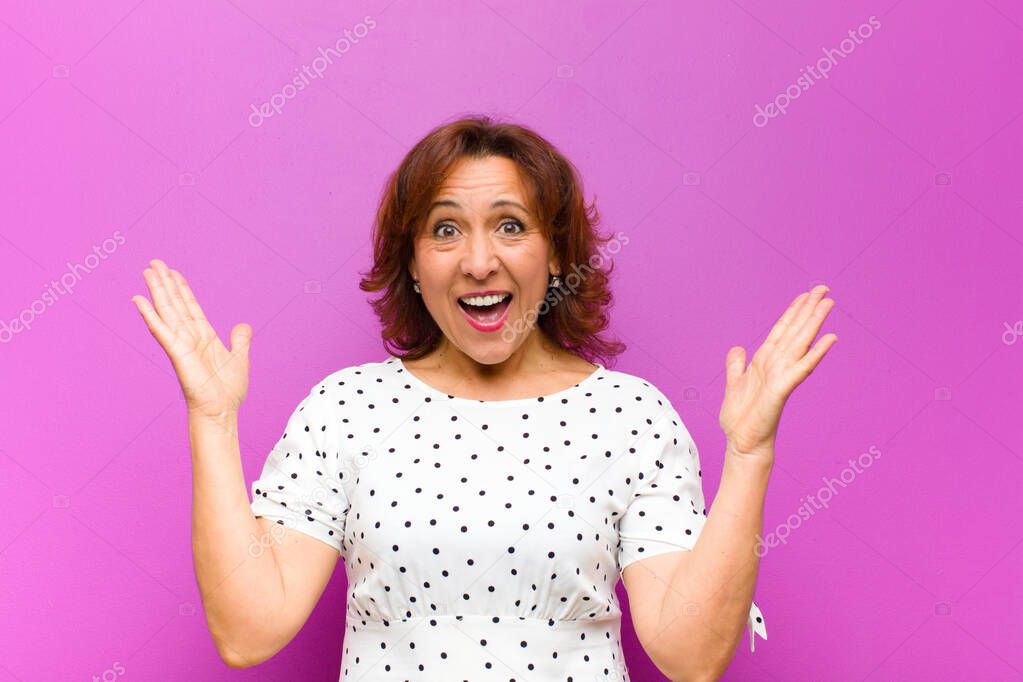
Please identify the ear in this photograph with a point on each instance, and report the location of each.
(552, 265)
(412, 268)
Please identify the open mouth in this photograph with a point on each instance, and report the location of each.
(488, 316)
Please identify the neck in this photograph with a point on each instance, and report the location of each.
(536, 352)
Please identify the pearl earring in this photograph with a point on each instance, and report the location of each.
(415, 285)
(556, 282)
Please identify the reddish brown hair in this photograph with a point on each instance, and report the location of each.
(579, 315)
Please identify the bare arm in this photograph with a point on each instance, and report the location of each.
(256, 594)
(697, 602)
(717, 578)
(259, 581)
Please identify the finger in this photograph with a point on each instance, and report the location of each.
(172, 290)
(157, 328)
(241, 339)
(805, 336)
(191, 304)
(785, 320)
(735, 364)
(161, 298)
(811, 359)
(802, 313)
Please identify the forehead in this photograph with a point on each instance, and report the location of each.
(489, 176)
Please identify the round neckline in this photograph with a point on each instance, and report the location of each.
(402, 370)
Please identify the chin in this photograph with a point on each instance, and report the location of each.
(488, 351)
(489, 354)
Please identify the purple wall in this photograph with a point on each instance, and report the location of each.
(131, 130)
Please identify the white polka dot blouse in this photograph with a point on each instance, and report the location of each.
(482, 539)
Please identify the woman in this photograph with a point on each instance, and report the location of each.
(487, 483)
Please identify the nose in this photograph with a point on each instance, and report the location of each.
(479, 260)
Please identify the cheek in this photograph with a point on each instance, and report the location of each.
(529, 266)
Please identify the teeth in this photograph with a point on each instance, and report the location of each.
(484, 300)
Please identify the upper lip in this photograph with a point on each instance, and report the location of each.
(490, 292)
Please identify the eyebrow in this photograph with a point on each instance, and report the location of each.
(497, 204)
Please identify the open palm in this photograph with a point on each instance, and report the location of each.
(755, 395)
(214, 379)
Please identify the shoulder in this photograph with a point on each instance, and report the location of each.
(354, 377)
(637, 390)
(657, 408)
(346, 406)
(362, 381)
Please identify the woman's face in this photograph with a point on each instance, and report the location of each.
(480, 236)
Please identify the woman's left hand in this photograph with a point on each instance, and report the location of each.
(755, 395)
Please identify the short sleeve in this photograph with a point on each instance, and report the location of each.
(300, 485)
(667, 511)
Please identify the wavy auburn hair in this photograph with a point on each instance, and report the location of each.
(574, 319)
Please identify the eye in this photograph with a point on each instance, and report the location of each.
(514, 223)
(442, 225)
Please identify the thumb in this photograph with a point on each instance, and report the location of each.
(735, 364)
(241, 339)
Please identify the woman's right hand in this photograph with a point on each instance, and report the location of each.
(214, 380)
